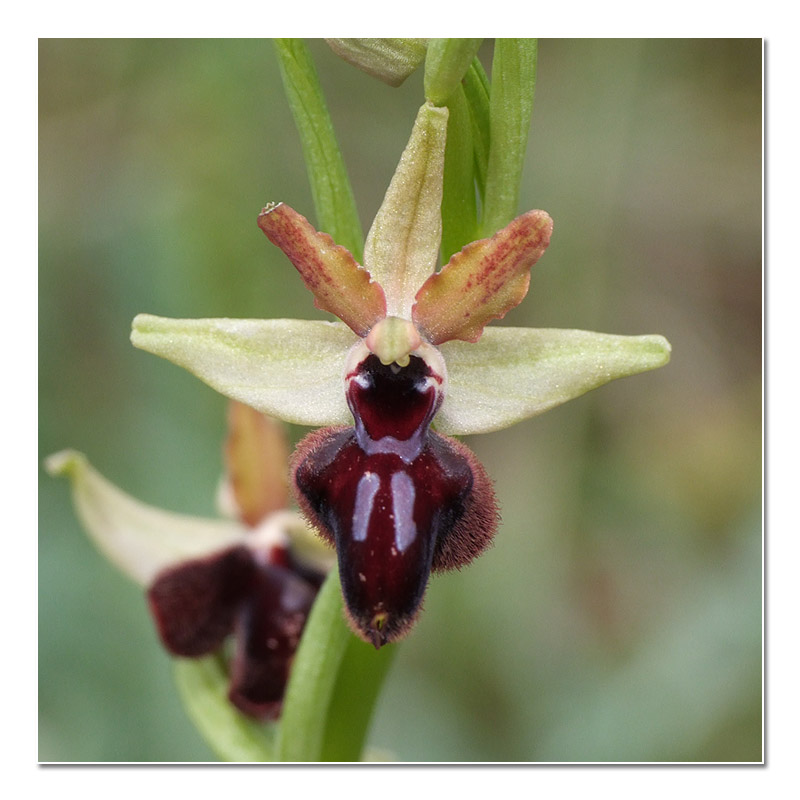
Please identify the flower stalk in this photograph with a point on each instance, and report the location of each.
(203, 687)
(314, 672)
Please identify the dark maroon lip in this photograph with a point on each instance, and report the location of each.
(255, 596)
(388, 493)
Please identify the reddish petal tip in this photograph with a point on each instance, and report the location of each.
(482, 282)
(329, 271)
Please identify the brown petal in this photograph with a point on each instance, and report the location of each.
(338, 283)
(256, 455)
(482, 282)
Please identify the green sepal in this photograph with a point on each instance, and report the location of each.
(402, 245)
(514, 373)
(290, 369)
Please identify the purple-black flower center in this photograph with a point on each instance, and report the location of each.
(393, 406)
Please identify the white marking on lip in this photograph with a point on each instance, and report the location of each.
(403, 496)
(366, 490)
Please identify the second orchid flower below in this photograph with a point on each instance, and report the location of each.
(249, 580)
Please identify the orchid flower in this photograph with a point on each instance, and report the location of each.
(254, 576)
(409, 364)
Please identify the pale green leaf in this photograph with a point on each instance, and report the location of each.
(515, 373)
(402, 246)
(203, 685)
(288, 368)
(138, 539)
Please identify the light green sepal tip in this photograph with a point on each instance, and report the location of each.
(139, 539)
(514, 373)
(290, 369)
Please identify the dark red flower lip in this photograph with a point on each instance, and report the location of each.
(396, 499)
(255, 596)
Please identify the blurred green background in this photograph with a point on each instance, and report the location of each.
(618, 616)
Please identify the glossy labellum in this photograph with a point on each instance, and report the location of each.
(396, 499)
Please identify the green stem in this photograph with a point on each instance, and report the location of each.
(511, 106)
(335, 678)
(203, 687)
(445, 64)
(313, 677)
(459, 202)
(357, 688)
(327, 174)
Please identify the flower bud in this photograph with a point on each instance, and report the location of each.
(390, 60)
